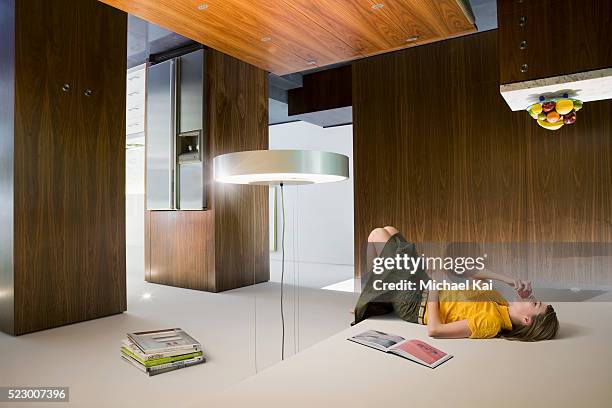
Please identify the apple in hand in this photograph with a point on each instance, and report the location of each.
(523, 288)
(524, 293)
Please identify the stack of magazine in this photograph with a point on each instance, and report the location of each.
(159, 351)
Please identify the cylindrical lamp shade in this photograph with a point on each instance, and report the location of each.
(269, 167)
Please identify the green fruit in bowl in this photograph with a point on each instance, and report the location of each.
(577, 105)
(542, 116)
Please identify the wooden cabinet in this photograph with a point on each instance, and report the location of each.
(65, 223)
(545, 38)
(226, 246)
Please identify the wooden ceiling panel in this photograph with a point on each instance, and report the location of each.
(427, 20)
(284, 36)
(279, 24)
(366, 30)
(227, 30)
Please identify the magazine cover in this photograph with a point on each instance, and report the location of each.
(161, 340)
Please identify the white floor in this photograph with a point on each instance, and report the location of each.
(311, 274)
(239, 330)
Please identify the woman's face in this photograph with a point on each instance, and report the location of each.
(527, 308)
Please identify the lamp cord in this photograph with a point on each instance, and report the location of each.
(282, 274)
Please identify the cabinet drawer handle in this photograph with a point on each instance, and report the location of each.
(524, 67)
(522, 21)
(66, 87)
(523, 45)
(87, 92)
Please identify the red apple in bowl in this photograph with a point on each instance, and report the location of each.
(569, 118)
(548, 106)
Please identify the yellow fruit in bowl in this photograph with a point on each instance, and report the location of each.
(550, 126)
(564, 106)
(536, 108)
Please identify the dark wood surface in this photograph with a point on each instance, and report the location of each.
(438, 154)
(69, 163)
(284, 36)
(226, 246)
(569, 197)
(329, 89)
(238, 109)
(182, 249)
(563, 37)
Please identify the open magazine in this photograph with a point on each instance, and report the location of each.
(414, 350)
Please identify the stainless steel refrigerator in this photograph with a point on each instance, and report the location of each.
(175, 133)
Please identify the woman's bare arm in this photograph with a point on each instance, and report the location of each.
(487, 274)
(439, 330)
(522, 287)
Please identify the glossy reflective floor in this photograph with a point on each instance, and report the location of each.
(239, 330)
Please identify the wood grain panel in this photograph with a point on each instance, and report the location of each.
(226, 246)
(438, 154)
(147, 245)
(569, 190)
(562, 37)
(218, 31)
(433, 166)
(427, 21)
(182, 247)
(300, 34)
(328, 89)
(69, 238)
(239, 121)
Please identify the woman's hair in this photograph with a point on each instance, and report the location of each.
(543, 326)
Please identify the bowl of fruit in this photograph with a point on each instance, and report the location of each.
(553, 113)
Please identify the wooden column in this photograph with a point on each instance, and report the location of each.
(225, 246)
(62, 154)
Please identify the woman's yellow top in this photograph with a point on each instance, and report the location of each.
(485, 310)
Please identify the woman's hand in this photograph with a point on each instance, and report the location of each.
(523, 288)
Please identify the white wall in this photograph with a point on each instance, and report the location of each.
(319, 218)
(134, 196)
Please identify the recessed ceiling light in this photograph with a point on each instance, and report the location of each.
(413, 38)
(265, 39)
(202, 6)
(311, 62)
(378, 6)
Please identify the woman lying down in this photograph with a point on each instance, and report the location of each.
(452, 314)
